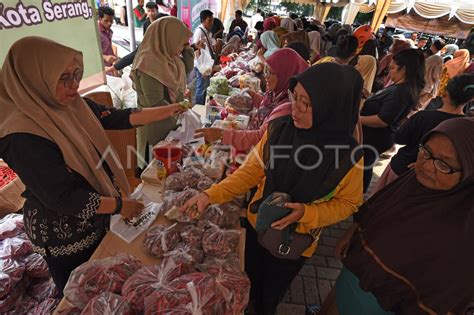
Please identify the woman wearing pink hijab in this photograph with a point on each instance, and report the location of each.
(280, 67)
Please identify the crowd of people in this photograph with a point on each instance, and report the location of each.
(334, 100)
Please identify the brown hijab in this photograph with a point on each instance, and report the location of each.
(158, 56)
(413, 250)
(27, 105)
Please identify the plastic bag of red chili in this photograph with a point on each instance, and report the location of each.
(187, 253)
(161, 239)
(107, 303)
(11, 225)
(149, 279)
(219, 243)
(226, 215)
(36, 266)
(231, 283)
(98, 276)
(11, 272)
(191, 235)
(191, 294)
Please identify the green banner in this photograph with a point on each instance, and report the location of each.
(71, 23)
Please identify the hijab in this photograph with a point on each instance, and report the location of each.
(459, 64)
(412, 250)
(367, 67)
(280, 31)
(231, 46)
(285, 63)
(298, 36)
(335, 104)
(450, 49)
(288, 24)
(301, 49)
(314, 41)
(27, 105)
(270, 42)
(269, 24)
(433, 69)
(157, 55)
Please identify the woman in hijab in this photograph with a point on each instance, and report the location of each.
(301, 49)
(159, 71)
(409, 233)
(369, 48)
(433, 68)
(279, 68)
(269, 24)
(295, 37)
(280, 31)
(232, 46)
(460, 91)
(55, 141)
(320, 118)
(314, 42)
(270, 43)
(451, 69)
(449, 51)
(288, 24)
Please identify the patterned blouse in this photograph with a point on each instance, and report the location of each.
(60, 208)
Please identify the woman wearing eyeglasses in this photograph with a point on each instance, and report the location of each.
(55, 141)
(279, 68)
(460, 90)
(310, 155)
(410, 250)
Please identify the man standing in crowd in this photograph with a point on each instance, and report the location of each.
(257, 17)
(152, 15)
(414, 37)
(202, 40)
(422, 43)
(106, 18)
(435, 48)
(139, 14)
(239, 21)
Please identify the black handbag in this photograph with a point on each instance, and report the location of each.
(286, 243)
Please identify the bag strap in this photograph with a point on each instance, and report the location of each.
(208, 43)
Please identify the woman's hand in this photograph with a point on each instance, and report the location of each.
(343, 242)
(201, 201)
(210, 134)
(176, 109)
(131, 208)
(110, 58)
(295, 215)
(261, 52)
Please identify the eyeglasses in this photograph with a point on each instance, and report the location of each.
(267, 72)
(297, 100)
(69, 79)
(439, 164)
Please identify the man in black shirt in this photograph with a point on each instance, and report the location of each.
(152, 15)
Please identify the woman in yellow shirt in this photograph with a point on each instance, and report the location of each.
(301, 154)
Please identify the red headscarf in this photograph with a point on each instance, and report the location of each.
(269, 24)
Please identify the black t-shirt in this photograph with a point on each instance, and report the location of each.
(392, 105)
(411, 134)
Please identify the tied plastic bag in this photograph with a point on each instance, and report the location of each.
(189, 177)
(97, 276)
(186, 253)
(188, 123)
(11, 273)
(161, 239)
(11, 225)
(107, 303)
(149, 279)
(43, 290)
(204, 63)
(219, 243)
(240, 103)
(16, 247)
(231, 283)
(226, 215)
(36, 266)
(191, 294)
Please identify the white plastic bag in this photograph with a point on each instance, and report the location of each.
(204, 62)
(122, 92)
(189, 122)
